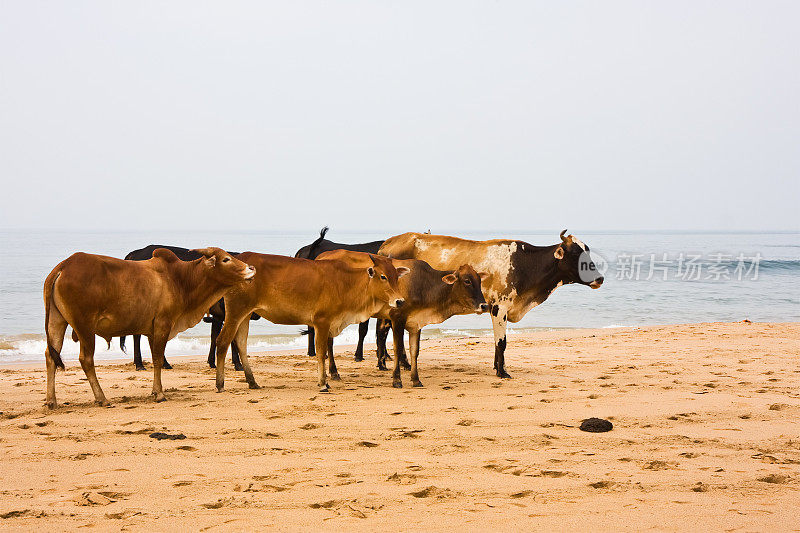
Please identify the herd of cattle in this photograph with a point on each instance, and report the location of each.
(407, 282)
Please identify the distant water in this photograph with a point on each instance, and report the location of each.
(709, 277)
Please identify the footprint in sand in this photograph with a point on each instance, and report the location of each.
(774, 478)
(325, 505)
(660, 465)
(403, 479)
(433, 492)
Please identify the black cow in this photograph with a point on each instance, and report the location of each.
(321, 245)
(216, 313)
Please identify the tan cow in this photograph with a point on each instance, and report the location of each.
(431, 296)
(520, 275)
(326, 295)
(109, 297)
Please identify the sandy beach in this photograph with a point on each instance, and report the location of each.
(706, 436)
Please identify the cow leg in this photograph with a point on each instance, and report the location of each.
(331, 362)
(235, 359)
(413, 347)
(216, 327)
(241, 340)
(500, 324)
(57, 327)
(397, 335)
(229, 329)
(311, 351)
(158, 343)
(381, 332)
(137, 352)
(402, 355)
(86, 358)
(322, 332)
(363, 328)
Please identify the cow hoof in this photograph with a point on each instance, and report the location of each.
(51, 405)
(239, 368)
(140, 367)
(335, 377)
(159, 397)
(325, 388)
(167, 366)
(397, 384)
(417, 384)
(103, 403)
(220, 389)
(358, 358)
(406, 366)
(503, 374)
(254, 385)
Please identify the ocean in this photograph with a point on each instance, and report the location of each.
(650, 278)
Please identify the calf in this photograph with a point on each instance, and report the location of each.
(109, 297)
(520, 276)
(216, 314)
(430, 296)
(327, 295)
(322, 245)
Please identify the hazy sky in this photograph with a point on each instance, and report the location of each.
(400, 115)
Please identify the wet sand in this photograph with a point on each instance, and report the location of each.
(706, 436)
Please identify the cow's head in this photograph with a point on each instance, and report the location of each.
(575, 264)
(383, 280)
(466, 293)
(223, 267)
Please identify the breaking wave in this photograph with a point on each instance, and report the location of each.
(31, 347)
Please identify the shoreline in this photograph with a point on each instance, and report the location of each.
(369, 347)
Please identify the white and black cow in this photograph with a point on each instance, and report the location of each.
(519, 276)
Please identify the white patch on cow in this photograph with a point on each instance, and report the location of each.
(421, 245)
(579, 243)
(445, 255)
(497, 260)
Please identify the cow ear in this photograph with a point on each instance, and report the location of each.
(559, 253)
(210, 261)
(402, 271)
(450, 278)
(371, 271)
(483, 275)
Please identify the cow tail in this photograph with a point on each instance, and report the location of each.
(306, 331)
(49, 285)
(312, 249)
(122, 344)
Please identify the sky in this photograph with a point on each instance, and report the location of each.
(398, 116)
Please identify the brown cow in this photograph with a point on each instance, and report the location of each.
(520, 275)
(430, 296)
(109, 297)
(326, 295)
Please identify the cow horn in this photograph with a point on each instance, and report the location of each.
(565, 240)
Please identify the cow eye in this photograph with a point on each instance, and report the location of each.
(467, 282)
(226, 259)
(383, 277)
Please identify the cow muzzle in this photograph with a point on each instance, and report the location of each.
(597, 283)
(397, 303)
(249, 272)
(482, 308)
